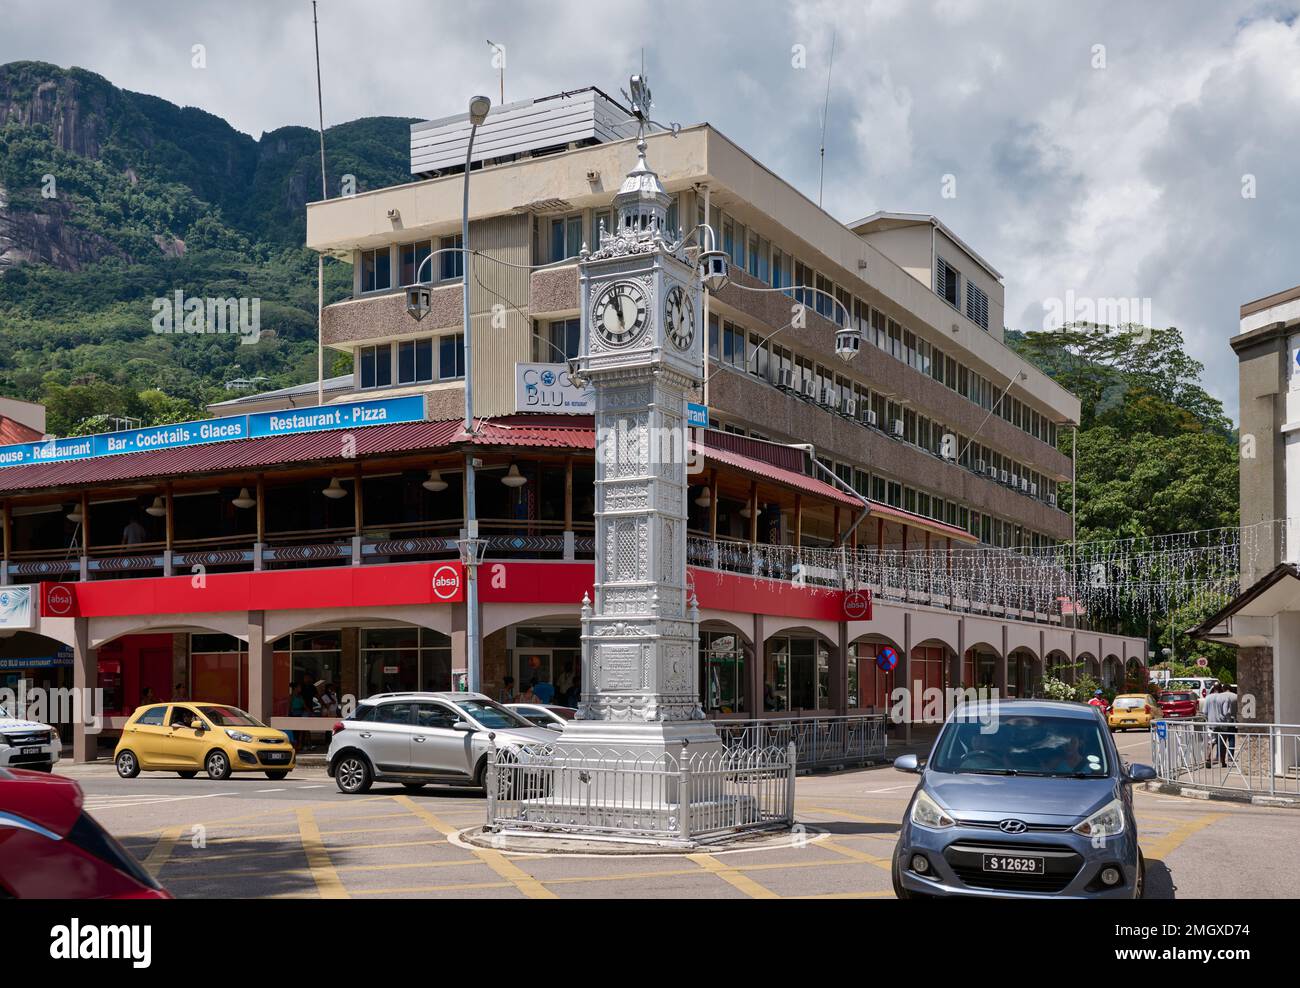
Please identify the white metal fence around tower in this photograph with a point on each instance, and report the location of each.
(1254, 759)
(683, 798)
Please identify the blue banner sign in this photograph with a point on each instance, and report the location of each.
(697, 416)
(348, 415)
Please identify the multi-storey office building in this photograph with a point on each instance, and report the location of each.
(940, 429)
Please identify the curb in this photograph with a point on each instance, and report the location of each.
(1243, 798)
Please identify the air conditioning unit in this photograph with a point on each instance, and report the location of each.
(1033, 490)
(1024, 485)
(785, 379)
(898, 428)
(992, 471)
(827, 398)
(869, 417)
(948, 454)
(849, 406)
(1003, 475)
(981, 466)
(1051, 499)
(809, 388)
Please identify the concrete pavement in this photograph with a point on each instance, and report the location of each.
(300, 837)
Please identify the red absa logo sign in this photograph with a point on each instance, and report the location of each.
(58, 600)
(447, 582)
(857, 605)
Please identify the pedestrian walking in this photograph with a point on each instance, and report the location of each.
(1221, 719)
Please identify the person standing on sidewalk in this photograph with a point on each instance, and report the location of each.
(1221, 719)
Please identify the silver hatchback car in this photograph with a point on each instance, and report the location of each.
(418, 738)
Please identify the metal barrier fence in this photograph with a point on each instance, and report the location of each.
(1260, 759)
(678, 799)
(818, 741)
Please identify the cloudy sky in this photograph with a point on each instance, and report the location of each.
(1098, 148)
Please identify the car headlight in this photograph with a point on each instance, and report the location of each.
(1106, 822)
(927, 813)
(239, 736)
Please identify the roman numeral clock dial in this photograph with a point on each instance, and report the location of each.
(620, 313)
(679, 318)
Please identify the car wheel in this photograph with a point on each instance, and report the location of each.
(128, 766)
(188, 773)
(480, 774)
(352, 775)
(217, 765)
(413, 785)
(277, 775)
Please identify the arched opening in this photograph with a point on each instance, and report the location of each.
(1024, 673)
(35, 673)
(725, 664)
(542, 657)
(797, 671)
(1060, 667)
(872, 662)
(1112, 673)
(979, 667)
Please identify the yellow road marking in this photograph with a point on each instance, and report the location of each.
(732, 877)
(162, 850)
(495, 860)
(399, 866)
(318, 859)
(1162, 847)
(856, 855)
(849, 815)
(400, 890)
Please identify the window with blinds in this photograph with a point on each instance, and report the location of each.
(947, 281)
(977, 306)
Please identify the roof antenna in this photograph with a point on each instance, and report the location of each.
(826, 109)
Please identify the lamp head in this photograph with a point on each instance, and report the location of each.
(417, 302)
(478, 109)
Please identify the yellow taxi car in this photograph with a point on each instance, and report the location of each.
(1133, 710)
(188, 737)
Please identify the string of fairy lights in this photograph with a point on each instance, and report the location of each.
(1134, 576)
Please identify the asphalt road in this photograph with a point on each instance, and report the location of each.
(301, 838)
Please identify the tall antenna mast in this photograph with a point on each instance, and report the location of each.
(826, 110)
(324, 194)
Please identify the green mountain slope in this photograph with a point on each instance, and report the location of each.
(110, 199)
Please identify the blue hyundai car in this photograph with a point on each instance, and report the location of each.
(1021, 798)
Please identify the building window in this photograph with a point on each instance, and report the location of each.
(414, 361)
(312, 657)
(375, 273)
(376, 365)
(947, 282)
(451, 357)
(404, 659)
(413, 263)
(451, 265)
(566, 236)
(781, 269)
(562, 340)
(977, 306)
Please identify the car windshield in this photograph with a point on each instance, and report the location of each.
(490, 714)
(1066, 747)
(229, 717)
(1175, 697)
(1186, 684)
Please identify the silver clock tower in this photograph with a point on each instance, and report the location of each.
(641, 351)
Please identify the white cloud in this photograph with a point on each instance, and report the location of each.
(1112, 182)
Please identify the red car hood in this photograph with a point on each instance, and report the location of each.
(50, 801)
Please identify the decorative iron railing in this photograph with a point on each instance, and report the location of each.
(684, 798)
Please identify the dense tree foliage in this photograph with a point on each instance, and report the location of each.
(150, 199)
(1156, 454)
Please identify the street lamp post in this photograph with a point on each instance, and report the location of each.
(470, 545)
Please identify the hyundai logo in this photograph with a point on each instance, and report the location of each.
(1012, 827)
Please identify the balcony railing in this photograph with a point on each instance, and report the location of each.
(996, 582)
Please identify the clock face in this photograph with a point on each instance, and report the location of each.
(679, 318)
(619, 313)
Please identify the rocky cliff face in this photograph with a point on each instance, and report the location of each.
(47, 237)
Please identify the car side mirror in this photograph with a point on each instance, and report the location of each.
(907, 763)
(552, 726)
(463, 725)
(196, 725)
(1141, 773)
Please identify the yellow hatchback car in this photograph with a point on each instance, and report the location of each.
(188, 737)
(1133, 710)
